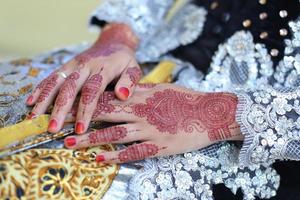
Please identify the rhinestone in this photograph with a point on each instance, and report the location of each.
(263, 16)
(283, 32)
(283, 13)
(274, 52)
(263, 35)
(247, 23)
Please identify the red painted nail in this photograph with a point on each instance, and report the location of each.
(79, 128)
(29, 99)
(32, 116)
(124, 91)
(52, 124)
(69, 142)
(100, 158)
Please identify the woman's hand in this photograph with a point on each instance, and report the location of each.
(165, 119)
(111, 57)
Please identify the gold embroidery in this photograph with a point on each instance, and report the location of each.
(22, 61)
(34, 72)
(56, 174)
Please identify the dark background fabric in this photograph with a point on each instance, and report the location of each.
(227, 18)
(221, 23)
(289, 188)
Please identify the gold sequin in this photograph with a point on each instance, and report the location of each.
(283, 13)
(247, 23)
(214, 5)
(274, 52)
(283, 32)
(263, 15)
(263, 35)
(262, 2)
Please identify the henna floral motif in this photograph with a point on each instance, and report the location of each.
(68, 90)
(47, 86)
(138, 152)
(134, 73)
(107, 135)
(172, 111)
(103, 105)
(90, 88)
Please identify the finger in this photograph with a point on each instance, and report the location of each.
(47, 91)
(116, 134)
(65, 99)
(110, 109)
(127, 82)
(90, 92)
(132, 153)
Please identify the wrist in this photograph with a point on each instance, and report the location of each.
(218, 114)
(118, 34)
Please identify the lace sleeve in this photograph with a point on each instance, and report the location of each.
(151, 21)
(270, 122)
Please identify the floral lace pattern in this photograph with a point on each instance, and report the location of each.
(269, 120)
(270, 125)
(191, 176)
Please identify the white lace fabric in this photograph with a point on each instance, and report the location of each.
(147, 18)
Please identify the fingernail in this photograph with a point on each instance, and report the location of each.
(69, 142)
(79, 128)
(29, 99)
(32, 116)
(100, 158)
(124, 91)
(52, 124)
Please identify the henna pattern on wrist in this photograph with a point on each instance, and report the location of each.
(103, 50)
(68, 90)
(115, 37)
(46, 86)
(134, 73)
(172, 111)
(107, 135)
(138, 152)
(90, 88)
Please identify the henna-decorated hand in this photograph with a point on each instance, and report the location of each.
(165, 119)
(111, 57)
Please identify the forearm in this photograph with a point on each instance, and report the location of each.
(117, 33)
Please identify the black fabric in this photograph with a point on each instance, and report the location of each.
(227, 18)
(289, 188)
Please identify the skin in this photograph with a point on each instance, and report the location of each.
(111, 57)
(163, 119)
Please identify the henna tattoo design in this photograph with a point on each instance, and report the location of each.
(94, 52)
(46, 86)
(107, 135)
(103, 105)
(110, 41)
(134, 73)
(171, 111)
(90, 88)
(68, 90)
(138, 152)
